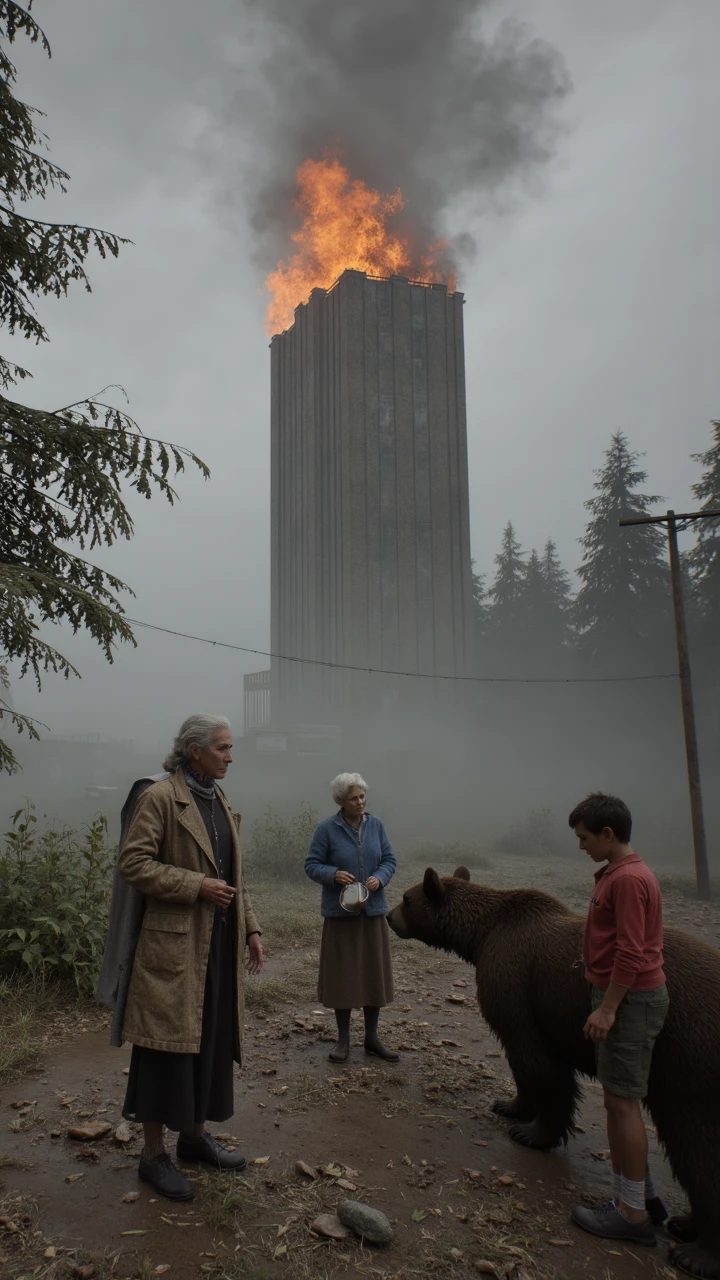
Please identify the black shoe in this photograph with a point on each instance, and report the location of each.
(341, 1050)
(165, 1178)
(208, 1151)
(381, 1050)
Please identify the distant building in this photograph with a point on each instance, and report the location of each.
(370, 516)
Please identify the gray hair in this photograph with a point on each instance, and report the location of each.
(343, 783)
(197, 731)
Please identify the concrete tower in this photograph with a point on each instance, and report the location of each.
(369, 508)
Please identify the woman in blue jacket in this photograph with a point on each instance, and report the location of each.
(355, 963)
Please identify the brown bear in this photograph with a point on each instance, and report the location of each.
(526, 947)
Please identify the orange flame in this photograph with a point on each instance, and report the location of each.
(344, 226)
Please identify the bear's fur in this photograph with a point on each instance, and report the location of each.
(526, 947)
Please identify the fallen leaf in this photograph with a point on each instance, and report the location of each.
(123, 1133)
(304, 1169)
(419, 1215)
(50, 1252)
(67, 1102)
(457, 1254)
(126, 1071)
(270, 1071)
(455, 999)
(261, 1160)
(130, 1197)
(565, 1244)
(506, 1180)
(74, 1177)
(161, 1268)
(485, 1268)
(345, 1184)
(133, 1233)
(83, 1273)
(16, 1106)
(88, 1153)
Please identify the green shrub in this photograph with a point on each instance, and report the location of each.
(54, 898)
(277, 846)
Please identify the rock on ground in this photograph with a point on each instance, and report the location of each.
(365, 1221)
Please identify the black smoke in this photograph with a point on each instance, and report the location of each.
(425, 95)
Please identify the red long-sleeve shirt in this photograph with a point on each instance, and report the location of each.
(623, 934)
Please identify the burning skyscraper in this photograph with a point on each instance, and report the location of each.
(369, 510)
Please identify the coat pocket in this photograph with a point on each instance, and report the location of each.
(164, 942)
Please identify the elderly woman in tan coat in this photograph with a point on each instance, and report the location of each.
(185, 1010)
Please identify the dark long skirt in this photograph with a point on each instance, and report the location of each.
(355, 963)
(182, 1089)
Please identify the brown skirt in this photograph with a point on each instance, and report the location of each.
(355, 963)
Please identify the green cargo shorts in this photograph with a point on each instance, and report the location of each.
(623, 1060)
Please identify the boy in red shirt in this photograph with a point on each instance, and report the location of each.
(622, 953)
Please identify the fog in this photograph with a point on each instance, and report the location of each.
(580, 194)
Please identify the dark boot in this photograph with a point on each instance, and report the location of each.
(207, 1150)
(342, 1048)
(372, 1043)
(165, 1178)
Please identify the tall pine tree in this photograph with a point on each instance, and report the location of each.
(704, 559)
(504, 629)
(544, 622)
(623, 610)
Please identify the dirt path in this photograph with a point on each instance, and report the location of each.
(418, 1140)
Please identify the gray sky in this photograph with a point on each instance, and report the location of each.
(592, 305)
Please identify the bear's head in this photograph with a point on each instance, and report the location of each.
(432, 912)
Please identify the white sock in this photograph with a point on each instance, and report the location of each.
(632, 1194)
(616, 1185)
(650, 1191)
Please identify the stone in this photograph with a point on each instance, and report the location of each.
(123, 1133)
(369, 1223)
(90, 1132)
(329, 1225)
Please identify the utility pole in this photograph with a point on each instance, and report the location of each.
(702, 871)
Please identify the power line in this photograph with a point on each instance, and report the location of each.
(415, 675)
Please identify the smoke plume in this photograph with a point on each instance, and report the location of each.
(415, 94)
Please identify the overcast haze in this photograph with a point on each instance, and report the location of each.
(591, 304)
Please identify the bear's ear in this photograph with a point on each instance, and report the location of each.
(433, 886)
(462, 873)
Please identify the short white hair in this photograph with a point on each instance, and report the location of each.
(196, 731)
(343, 784)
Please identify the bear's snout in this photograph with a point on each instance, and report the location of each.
(397, 923)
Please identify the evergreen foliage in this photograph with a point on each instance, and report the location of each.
(61, 471)
(505, 641)
(623, 609)
(704, 560)
(506, 591)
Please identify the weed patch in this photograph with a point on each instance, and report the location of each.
(54, 898)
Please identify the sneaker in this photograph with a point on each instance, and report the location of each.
(208, 1151)
(165, 1178)
(609, 1223)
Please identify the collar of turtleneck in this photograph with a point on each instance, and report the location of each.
(203, 787)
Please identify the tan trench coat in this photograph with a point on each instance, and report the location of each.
(166, 856)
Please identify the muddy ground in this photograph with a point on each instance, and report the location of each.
(416, 1139)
